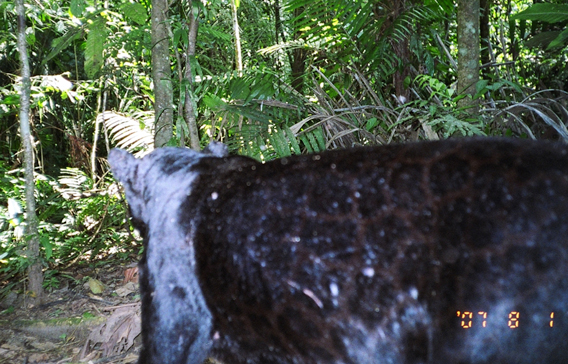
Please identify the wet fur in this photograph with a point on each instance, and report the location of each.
(353, 256)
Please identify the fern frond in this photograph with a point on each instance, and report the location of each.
(134, 134)
(94, 47)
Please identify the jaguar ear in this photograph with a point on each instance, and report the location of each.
(122, 165)
(216, 149)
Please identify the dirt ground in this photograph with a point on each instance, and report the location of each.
(94, 317)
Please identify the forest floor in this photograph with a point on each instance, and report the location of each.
(94, 317)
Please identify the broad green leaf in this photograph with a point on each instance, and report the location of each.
(514, 85)
(180, 37)
(550, 13)
(560, 41)
(77, 7)
(62, 42)
(542, 40)
(213, 102)
(371, 123)
(481, 85)
(44, 241)
(195, 68)
(216, 33)
(10, 100)
(136, 12)
(251, 114)
(95, 46)
(240, 89)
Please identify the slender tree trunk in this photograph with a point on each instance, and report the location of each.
(468, 54)
(94, 151)
(101, 106)
(236, 31)
(277, 22)
(279, 32)
(162, 74)
(299, 56)
(485, 35)
(35, 274)
(402, 50)
(189, 106)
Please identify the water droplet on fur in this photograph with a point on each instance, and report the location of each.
(334, 289)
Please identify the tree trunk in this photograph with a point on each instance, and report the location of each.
(485, 35)
(35, 274)
(468, 54)
(402, 51)
(277, 22)
(189, 105)
(298, 66)
(100, 107)
(162, 75)
(238, 54)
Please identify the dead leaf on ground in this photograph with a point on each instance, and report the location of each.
(131, 275)
(127, 289)
(117, 334)
(96, 286)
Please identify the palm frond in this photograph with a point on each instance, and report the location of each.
(534, 114)
(135, 134)
(72, 183)
(361, 30)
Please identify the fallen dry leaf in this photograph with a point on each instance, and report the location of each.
(96, 286)
(127, 289)
(117, 334)
(131, 275)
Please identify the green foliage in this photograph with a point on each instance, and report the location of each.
(436, 88)
(77, 7)
(351, 31)
(73, 44)
(136, 12)
(94, 47)
(75, 223)
(93, 57)
(549, 13)
(449, 126)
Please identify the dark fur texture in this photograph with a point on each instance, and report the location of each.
(358, 256)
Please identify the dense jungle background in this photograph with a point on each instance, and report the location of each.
(270, 78)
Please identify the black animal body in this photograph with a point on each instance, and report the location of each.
(436, 252)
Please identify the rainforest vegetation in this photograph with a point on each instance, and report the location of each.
(270, 78)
